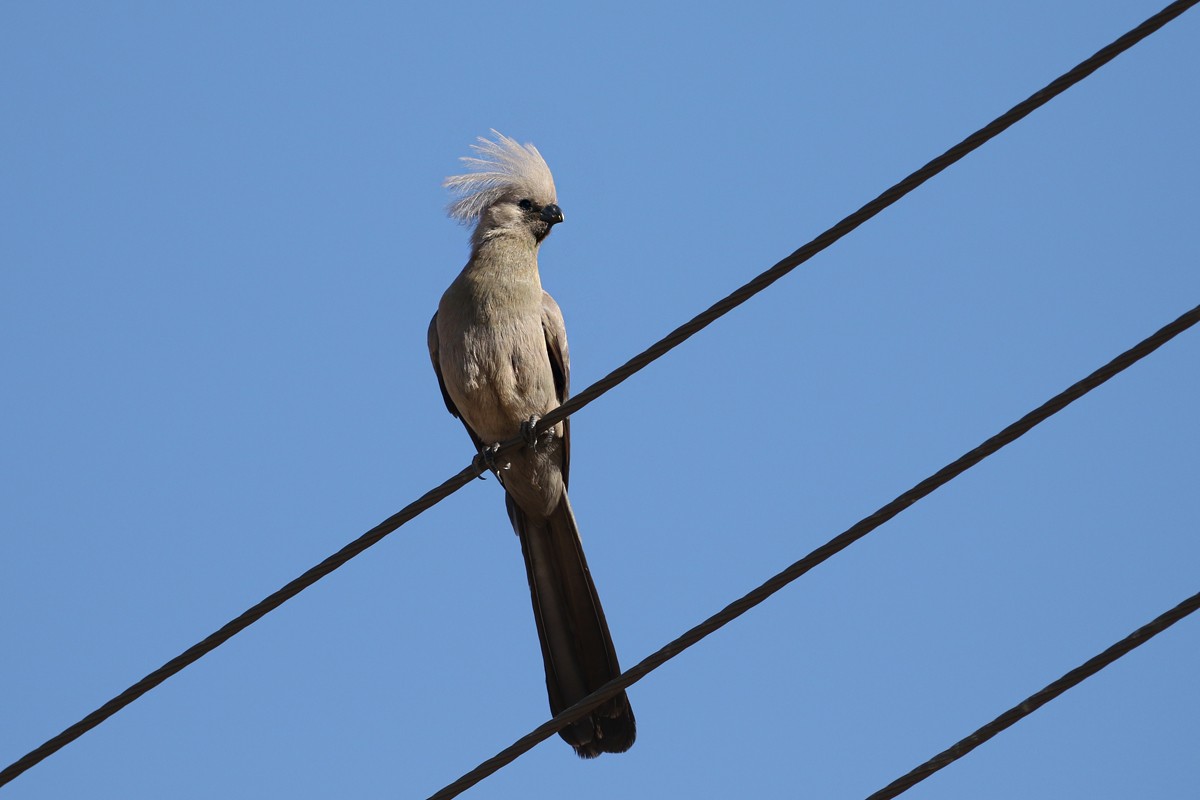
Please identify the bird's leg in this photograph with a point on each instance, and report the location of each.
(488, 456)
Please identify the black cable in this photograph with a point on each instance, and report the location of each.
(654, 352)
(238, 624)
(825, 551)
(887, 198)
(1036, 701)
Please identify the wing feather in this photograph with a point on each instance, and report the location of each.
(560, 364)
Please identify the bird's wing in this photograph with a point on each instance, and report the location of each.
(437, 368)
(560, 364)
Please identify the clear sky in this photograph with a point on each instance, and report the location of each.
(223, 237)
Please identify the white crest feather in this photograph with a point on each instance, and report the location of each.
(502, 167)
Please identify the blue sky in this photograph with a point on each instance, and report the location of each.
(224, 236)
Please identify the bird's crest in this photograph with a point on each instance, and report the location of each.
(501, 167)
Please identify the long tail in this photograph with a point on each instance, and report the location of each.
(576, 645)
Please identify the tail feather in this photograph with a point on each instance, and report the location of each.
(576, 646)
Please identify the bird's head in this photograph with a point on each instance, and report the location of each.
(508, 192)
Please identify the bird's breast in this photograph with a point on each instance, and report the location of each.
(497, 371)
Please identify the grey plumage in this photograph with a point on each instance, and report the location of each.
(499, 348)
(501, 167)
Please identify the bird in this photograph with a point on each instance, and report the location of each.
(498, 345)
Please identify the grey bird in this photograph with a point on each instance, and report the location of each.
(499, 348)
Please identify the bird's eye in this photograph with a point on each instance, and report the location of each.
(526, 204)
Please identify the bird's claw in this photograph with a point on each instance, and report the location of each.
(531, 436)
(529, 431)
(487, 456)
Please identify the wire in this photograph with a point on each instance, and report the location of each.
(1039, 699)
(822, 553)
(887, 198)
(617, 376)
(238, 624)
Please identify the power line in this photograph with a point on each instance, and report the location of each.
(1039, 699)
(887, 198)
(822, 553)
(617, 376)
(239, 623)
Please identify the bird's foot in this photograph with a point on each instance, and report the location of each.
(529, 431)
(531, 436)
(487, 456)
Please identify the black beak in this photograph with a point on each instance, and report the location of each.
(552, 214)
